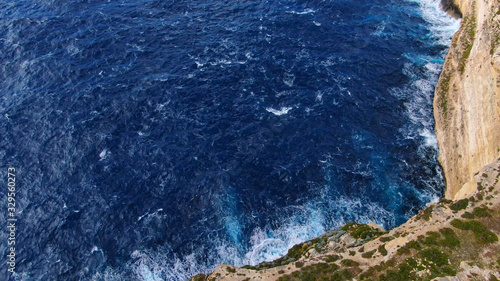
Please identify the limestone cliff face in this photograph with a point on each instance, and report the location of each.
(467, 99)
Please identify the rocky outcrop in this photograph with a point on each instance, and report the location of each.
(450, 240)
(467, 98)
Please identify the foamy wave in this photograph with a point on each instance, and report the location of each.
(305, 12)
(442, 26)
(310, 221)
(430, 138)
(301, 224)
(420, 91)
(278, 112)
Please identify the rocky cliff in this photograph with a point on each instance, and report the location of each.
(467, 97)
(456, 239)
(449, 241)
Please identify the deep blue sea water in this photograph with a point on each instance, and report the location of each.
(154, 140)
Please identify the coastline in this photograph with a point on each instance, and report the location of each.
(466, 110)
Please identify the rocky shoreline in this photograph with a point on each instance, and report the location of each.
(450, 240)
(455, 239)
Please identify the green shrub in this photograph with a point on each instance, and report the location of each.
(450, 238)
(369, 254)
(437, 262)
(427, 213)
(410, 245)
(480, 196)
(382, 250)
(199, 277)
(413, 245)
(362, 231)
(405, 272)
(332, 258)
(348, 262)
(284, 278)
(342, 275)
(386, 238)
(312, 272)
(297, 251)
(460, 224)
(468, 215)
(481, 212)
(442, 94)
(431, 239)
(469, 26)
(460, 205)
(482, 234)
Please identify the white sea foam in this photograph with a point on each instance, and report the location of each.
(420, 92)
(442, 25)
(305, 12)
(103, 154)
(297, 224)
(279, 112)
(430, 138)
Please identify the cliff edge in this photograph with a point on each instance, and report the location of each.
(467, 97)
(455, 239)
(448, 241)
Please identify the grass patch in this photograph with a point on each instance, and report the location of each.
(199, 277)
(313, 272)
(361, 231)
(349, 263)
(410, 245)
(460, 205)
(332, 258)
(482, 234)
(405, 272)
(437, 262)
(386, 238)
(427, 213)
(369, 254)
(382, 250)
(431, 239)
(468, 216)
(450, 238)
(442, 100)
(469, 34)
(481, 212)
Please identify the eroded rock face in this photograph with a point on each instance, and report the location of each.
(467, 99)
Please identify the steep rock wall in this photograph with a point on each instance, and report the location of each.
(467, 99)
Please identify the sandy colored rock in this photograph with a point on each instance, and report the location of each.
(467, 99)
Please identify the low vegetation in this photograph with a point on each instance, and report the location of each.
(362, 231)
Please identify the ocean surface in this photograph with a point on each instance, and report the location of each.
(155, 140)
